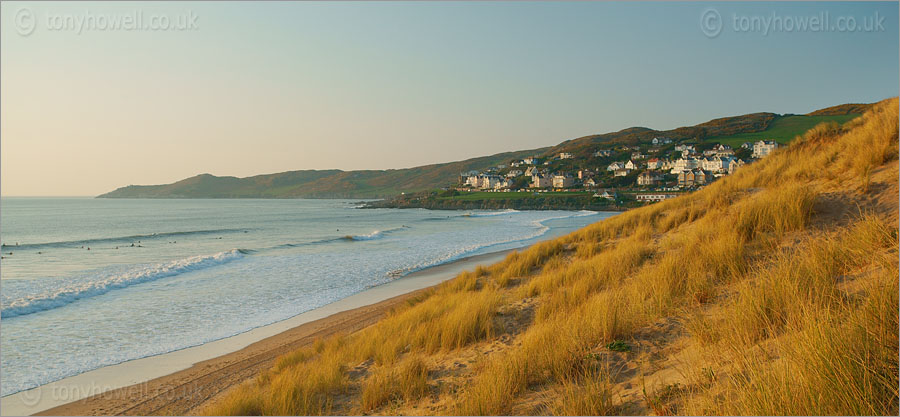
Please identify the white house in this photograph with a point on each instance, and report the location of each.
(513, 173)
(603, 153)
(684, 164)
(763, 148)
(590, 183)
(622, 172)
(489, 181)
(563, 181)
(715, 164)
(615, 166)
(631, 165)
(661, 141)
(531, 161)
(710, 164)
(565, 155)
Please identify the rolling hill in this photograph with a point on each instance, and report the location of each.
(318, 183)
(383, 183)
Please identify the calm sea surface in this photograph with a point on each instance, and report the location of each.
(93, 282)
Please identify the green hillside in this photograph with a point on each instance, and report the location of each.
(783, 129)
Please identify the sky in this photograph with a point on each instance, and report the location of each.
(242, 89)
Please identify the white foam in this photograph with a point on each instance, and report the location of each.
(74, 292)
(234, 298)
(376, 234)
(491, 213)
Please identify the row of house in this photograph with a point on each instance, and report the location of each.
(694, 178)
(717, 164)
(487, 181)
(689, 178)
(555, 181)
(691, 169)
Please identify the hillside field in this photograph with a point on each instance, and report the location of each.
(783, 129)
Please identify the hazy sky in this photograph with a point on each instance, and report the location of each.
(269, 87)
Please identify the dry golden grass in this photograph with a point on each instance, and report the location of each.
(782, 276)
(406, 381)
(587, 394)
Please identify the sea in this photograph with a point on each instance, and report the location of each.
(86, 282)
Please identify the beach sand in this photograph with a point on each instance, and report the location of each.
(183, 381)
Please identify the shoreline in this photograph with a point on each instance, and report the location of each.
(181, 381)
(137, 386)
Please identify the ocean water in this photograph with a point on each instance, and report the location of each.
(86, 283)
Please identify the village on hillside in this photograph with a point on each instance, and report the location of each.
(654, 171)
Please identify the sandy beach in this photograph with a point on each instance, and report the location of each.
(183, 381)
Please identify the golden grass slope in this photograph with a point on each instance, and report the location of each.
(771, 291)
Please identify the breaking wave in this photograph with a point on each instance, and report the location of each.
(125, 239)
(76, 291)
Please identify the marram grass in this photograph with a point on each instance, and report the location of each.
(782, 276)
